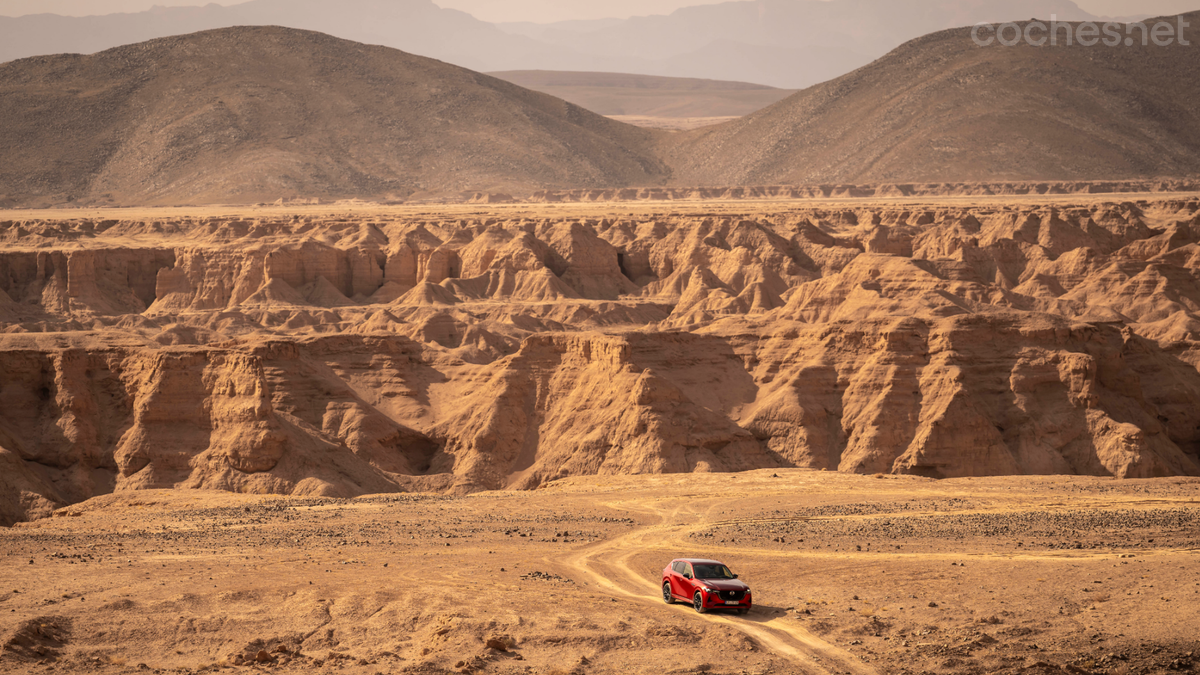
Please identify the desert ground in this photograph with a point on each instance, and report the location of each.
(850, 574)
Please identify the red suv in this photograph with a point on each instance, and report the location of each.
(707, 584)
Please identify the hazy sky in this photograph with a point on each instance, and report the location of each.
(541, 11)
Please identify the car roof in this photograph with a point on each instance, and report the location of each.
(702, 561)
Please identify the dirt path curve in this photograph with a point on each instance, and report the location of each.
(606, 565)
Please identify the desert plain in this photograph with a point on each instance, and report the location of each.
(850, 574)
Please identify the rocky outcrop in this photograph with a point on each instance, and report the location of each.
(80, 424)
(589, 404)
(347, 356)
(965, 396)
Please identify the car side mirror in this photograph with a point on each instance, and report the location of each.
(687, 575)
(735, 576)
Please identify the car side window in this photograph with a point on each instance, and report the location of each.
(685, 568)
(677, 566)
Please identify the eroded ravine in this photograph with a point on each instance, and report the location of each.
(339, 353)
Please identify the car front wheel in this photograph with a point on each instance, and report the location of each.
(698, 602)
(667, 594)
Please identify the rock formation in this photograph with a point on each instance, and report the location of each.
(345, 355)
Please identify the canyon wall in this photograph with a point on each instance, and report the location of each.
(371, 353)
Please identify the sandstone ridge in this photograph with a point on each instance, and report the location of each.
(347, 354)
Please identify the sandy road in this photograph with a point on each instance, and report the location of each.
(606, 564)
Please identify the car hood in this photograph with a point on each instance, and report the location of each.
(725, 584)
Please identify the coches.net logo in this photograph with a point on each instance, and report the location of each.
(1162, 33)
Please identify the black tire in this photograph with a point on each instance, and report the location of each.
(698, 602)
(667, 597)
(744, 611)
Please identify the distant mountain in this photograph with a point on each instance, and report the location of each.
(941, 108)
(416, 26)
(648, 95)
(86, 7)
(782, 43)
(260, 113)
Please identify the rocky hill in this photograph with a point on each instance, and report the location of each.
(245, 114)
(942, 108)
(343, 354)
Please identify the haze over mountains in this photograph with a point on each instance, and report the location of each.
(782, 43)
(660, 97)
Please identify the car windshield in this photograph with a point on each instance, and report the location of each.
(712, 572)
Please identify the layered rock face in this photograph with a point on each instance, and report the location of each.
(306, 354)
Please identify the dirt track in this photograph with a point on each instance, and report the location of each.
(185, 582)
(607, 564)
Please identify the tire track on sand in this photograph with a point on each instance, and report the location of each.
(606, 564)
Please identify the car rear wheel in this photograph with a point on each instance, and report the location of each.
(667, 594)
(698, 602)
(744, 611)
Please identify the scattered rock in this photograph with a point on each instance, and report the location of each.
(499, 644)
(38, 639)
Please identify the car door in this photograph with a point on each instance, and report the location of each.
(686, 586)
(677, 579)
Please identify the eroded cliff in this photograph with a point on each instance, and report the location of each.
(471, 350)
